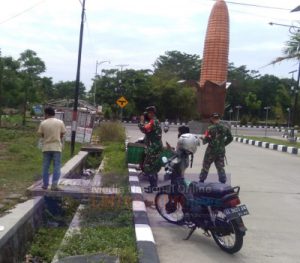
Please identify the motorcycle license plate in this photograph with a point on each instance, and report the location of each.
(235, 212)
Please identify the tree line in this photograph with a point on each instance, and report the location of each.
(22, 85)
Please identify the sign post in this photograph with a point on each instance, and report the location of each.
(122, 102)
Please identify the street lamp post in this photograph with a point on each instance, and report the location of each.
(237, 117)
(98, 63)
(267, 115)
(289, 117)
(230, 112)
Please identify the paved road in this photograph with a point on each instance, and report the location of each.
(270, 187)
(259, 132)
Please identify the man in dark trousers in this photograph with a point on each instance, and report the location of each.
(153, 133)
(218, 137)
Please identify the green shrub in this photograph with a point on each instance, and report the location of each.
(244, 120)
(254, 120)
(111, 132)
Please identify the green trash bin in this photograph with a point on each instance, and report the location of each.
(135, 153)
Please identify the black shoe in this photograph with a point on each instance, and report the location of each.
(148, 189)
(44, 187)
(54, 187)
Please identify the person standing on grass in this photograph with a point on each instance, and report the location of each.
(52, 131)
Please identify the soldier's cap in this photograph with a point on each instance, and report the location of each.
(151, 109)
(215, 115)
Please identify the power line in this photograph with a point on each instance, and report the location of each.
(259, 6)
(257, 15)
(21, 13)
(254, 5)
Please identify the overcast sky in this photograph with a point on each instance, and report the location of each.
(136, 32)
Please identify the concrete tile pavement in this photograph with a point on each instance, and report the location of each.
(270, 187)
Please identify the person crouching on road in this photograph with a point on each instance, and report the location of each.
(153, 134)
(52, 131)
(218, 137)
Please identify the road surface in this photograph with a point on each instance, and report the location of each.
(270, 187)
(246, 131)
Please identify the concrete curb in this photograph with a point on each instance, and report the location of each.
(271, 146)
(279, 129)
(170, 123)
(143, 232)
(286, 136)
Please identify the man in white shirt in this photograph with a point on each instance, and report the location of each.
(52, 131)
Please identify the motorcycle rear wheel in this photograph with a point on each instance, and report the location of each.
(231, 243)
(161, 201)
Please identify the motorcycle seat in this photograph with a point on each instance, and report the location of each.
(216, 190)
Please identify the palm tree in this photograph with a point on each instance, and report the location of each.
(291, 49)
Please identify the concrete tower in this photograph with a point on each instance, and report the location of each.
(212, 90)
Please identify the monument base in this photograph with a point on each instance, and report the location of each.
(198, 127)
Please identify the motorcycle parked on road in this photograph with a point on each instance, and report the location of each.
(213, 207)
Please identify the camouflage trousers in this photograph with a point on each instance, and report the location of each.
(219, 160)
(152, 164)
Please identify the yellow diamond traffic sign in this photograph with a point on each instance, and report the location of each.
(122, 102)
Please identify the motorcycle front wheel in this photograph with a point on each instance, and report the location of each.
(230, 240)
(170, 207)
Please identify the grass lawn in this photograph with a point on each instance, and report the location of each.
(20, 163)
(107, 224)
(106, 229)
(271, 140)
(49, 237)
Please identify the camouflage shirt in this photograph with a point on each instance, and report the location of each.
(153, 133)
(218, 137)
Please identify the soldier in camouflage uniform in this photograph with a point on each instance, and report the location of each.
(218, 137)
(152, 130)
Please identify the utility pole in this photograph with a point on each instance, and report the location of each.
(75, 107)
(294, 112)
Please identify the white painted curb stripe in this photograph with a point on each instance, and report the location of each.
(138, 206)
(256, 143)
(271, 146)
(143, 233)
(280, 148)
(133, 179)
(136, 190)
(264, 144)
(290, 149)
(132, 170)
